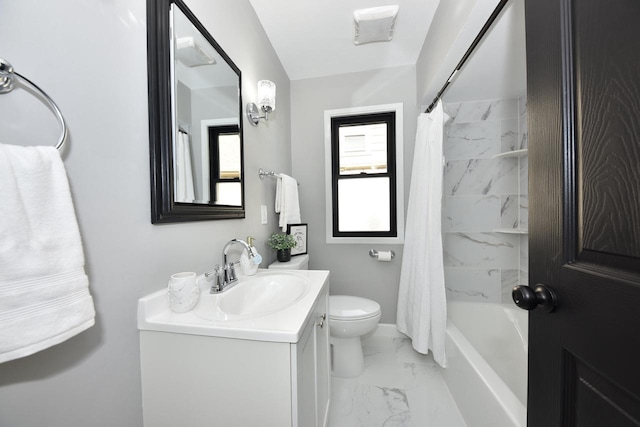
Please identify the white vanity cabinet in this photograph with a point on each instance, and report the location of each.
(311, 361)
(192, 380)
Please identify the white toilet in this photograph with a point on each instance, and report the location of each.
(349, 319)
(298, 262)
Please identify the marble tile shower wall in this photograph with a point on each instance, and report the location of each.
(524, 193)
(482, 194)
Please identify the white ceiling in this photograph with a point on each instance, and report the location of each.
(315, 38)
(218, 74)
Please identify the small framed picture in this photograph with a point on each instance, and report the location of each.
(299, 232)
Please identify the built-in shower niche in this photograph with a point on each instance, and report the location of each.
(485, 199)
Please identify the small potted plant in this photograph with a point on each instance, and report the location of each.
(282, 243)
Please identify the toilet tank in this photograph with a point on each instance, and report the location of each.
(299, 262)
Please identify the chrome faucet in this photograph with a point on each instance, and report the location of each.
(231, 243)
(226, 275)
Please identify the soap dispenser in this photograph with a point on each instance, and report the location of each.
(249, 264)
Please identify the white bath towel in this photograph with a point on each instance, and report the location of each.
(422, 308)
(44, 293)
(287, 202)
(184, 190)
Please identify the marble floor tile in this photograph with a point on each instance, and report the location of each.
(399, 388)
(373, 406)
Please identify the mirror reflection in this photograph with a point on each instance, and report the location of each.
(207, 151)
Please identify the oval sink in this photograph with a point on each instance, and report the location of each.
(258, 295)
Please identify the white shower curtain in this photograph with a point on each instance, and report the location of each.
(422, 309)
(184, 172)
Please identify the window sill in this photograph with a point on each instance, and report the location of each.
(365, 240)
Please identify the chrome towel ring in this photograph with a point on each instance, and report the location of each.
(7, 82)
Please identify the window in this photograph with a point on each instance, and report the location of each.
(226, 165)
(364, 178)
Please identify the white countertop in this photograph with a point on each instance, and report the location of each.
(285, 325)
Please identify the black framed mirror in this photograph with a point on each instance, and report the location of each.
(195, 121)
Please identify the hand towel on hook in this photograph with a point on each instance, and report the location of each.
(287, 203)
(44, 291)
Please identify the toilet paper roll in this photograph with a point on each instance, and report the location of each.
(384, 256)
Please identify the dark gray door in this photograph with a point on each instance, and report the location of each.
(583, 66)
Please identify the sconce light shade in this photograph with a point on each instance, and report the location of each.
(266, 101)
(267, 95)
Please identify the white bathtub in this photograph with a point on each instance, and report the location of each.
(487, 363)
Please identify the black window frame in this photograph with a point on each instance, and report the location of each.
(388, 117)
(214, 133)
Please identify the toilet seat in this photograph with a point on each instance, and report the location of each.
(344, 307)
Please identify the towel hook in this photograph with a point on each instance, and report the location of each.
(7, 82)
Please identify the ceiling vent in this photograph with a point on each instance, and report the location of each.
(374, 24)
(191, 54)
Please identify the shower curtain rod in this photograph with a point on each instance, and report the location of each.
(468, 53)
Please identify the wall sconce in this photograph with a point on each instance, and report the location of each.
(266, 102)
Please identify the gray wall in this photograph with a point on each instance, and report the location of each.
(499, 61)
(353, 272)
(184, 103)
(91, 58)
(455, 25)
(449, 19)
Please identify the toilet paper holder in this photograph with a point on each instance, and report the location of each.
(374, 254)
